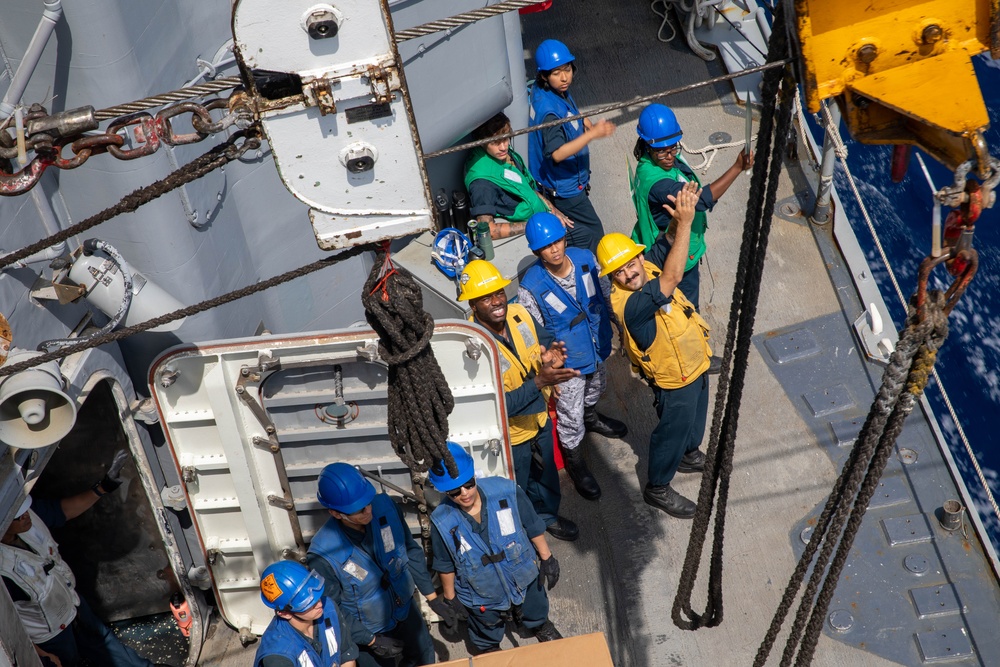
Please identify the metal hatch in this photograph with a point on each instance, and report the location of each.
(251, 422)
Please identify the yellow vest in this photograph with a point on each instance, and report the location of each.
(515, 368)
(680, 352)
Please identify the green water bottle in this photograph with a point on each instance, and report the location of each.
(484, 240)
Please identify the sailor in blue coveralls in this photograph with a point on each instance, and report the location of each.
(485, 536)
(559, 157)
(307, 629)
(371, 565)
(564, 292)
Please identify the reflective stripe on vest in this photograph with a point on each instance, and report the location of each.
(516, 367)
(570, 177)
(364, 596)
(494, 575)
(648, 174)
(47, 580)
(280, 638)
(680, 352)
(582, 322)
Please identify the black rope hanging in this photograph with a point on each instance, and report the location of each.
(904, 380)
(775, 124)
(419, 400)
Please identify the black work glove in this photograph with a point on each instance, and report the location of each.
(386, 647)
(112, 479)
(548, 569)
(444, 610)
(461, 613)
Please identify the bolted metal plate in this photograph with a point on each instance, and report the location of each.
(793, 345)
(906, 529)
(829, 400)
(944, 645)
(719, 138)
(846, 430)
(936, 601)
(916, 564)
(890, 491)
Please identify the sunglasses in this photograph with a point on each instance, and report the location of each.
(455, 493)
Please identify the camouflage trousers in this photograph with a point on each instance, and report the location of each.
(575, 395)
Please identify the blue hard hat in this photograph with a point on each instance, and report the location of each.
(451, 251)
(543, 229)
(551, 54)
(344, 489)
(658, 126)
(290, 586)
(442, 480)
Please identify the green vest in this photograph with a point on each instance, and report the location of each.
(647, 174)
(512, 179)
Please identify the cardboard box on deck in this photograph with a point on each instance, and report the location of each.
(583, 651)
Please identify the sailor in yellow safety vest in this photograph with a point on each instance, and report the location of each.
(532, 364)
(667, 341)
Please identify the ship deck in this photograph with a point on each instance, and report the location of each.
(620, 577)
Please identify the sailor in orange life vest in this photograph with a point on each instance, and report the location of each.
(532, 362)
(667, 341)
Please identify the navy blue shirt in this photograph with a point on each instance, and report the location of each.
(366, 542)
(348, 649)
(640, 312)
(668, 186)
(533, 526)
(486, 198)
(526, 399)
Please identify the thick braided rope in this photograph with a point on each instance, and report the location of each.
(934, 331)
(716, 457)
(419, 399)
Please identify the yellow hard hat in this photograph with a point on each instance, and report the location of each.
(480, 278)
(615, 251)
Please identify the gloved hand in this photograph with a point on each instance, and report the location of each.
(444, 610)
(548, 569)
(112, 479)
(386, 647)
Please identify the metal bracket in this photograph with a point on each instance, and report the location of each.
(320, 94)
(382, 79)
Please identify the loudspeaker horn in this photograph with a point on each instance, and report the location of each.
(34, 410)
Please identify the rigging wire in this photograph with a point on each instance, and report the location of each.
(179, 95)
(841, 152)
(459, 20)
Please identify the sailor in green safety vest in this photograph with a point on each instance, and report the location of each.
(661, 173)
(500, 185)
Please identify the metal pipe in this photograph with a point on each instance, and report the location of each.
(821, 214)
(46, 26)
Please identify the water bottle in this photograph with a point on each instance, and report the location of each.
(484, 240)
(182, 613)
(459, 208)
(443, 209)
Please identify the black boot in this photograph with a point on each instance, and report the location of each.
(600, 424)
(563, 529)
(546, 632)
(693, 461)
(578, 471)
(666, 499)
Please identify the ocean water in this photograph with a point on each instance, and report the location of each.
(969, 362)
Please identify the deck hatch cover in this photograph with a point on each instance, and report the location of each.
(907, 529)
(247, 425)
(890, 491)
(827, 401)
(944, 645)
(793, 345)
(846, 431)
(936, 600)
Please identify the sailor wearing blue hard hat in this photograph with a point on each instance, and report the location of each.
(371, 565)
(485, 536)
(563, 291)
(661, 173)
(307, 629)
(559, 156)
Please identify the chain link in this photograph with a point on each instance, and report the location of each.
(126, 138)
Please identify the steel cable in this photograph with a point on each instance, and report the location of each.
(464, 18)
(180, 95)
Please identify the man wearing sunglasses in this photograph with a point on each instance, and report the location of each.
(533, 363)
(659, 175)
(371, 565)
(485, 537)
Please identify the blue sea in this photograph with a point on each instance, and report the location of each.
(969, 363)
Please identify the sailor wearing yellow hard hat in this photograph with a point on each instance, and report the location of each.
(667, 341)
(532, 363)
